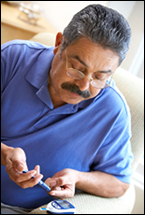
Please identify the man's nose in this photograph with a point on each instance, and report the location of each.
(83, 84)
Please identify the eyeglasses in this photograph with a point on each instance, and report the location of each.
(78, 75)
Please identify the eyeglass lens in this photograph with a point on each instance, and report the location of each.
(72, 73)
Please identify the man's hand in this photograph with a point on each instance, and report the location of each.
(63, 183)
(14, 159)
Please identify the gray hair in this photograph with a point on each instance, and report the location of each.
(101, 25)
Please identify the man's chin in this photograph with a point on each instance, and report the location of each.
(75, 99)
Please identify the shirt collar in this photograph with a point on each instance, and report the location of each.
(38, 73)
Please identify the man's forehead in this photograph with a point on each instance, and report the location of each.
(82, 48)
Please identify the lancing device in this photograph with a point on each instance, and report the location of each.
(42, 184)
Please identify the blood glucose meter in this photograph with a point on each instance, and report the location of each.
(60, 207)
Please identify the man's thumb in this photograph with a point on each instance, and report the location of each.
(19, 160)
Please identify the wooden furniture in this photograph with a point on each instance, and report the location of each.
(12, 27)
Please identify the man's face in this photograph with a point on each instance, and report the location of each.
(89, 58)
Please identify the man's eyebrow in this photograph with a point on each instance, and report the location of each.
(78, 58)
(108, 71)
(82, 62)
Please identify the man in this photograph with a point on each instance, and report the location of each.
(62, 114)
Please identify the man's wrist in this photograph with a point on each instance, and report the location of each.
(78, 176)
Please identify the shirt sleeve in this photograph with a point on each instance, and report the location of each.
(115, 155)
(11, 56)
(15, 55)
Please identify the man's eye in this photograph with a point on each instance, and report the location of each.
(76, 68)
(100, 77)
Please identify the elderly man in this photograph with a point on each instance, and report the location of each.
(62, 114)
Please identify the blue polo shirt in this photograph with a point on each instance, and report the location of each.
(90, 136)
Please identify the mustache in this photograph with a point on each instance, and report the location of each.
(75, 89)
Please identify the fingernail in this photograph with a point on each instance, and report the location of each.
(33, 173)
(38, 169)
(52, 193)
(20, 167)
(53, 183)
(41, 176)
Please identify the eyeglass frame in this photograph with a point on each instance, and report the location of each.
(91, 79)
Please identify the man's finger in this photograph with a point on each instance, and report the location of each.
(62, 193)
(18, 159)
(31, 182)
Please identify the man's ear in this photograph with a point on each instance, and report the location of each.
(58, 41)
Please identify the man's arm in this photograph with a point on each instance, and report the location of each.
(97, 183)
(101, 184)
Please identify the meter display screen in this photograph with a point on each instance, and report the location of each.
(64, 204)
